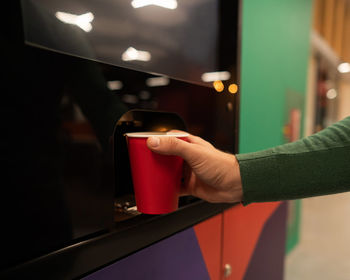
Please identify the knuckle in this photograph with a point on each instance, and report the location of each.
(173, 142)
(170, 145)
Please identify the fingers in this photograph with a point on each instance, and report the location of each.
(169, 146)
(186, 175)
(192, 150)
(199, 141)
(196, 140)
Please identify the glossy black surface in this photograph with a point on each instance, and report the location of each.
(59, 115)
(183, 42)
(129, 236)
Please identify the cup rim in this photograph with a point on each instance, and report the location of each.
(155, 133)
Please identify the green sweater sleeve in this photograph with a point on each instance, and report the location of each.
(315, 165)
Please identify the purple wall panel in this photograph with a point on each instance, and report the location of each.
(267, 261)
(177, 257)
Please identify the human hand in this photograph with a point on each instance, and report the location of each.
(210, 174)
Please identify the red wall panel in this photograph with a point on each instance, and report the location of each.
(242, 227)
(209, 235)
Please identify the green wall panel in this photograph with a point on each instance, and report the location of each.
(275, 50)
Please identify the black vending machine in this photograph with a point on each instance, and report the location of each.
(78, 75)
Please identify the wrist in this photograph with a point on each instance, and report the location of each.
(232, 184)
(236, 182)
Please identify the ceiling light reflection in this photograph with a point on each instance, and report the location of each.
(144, 95)
(83, 21)
(167, 4)
(216, 76)
(129, 98)
(114, 85)
(157, 81)
(134, 54)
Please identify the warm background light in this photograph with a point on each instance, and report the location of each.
(218, 85)
(233, 88)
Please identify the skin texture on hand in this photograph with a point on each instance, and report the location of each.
(210, 174)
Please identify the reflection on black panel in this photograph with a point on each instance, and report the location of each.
(181, 39)
(60, 116)
(63, 121)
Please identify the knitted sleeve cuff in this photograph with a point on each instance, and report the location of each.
(260, 176)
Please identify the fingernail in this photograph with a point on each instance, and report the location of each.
(154, 141)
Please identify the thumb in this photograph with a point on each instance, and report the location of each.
(169, 146)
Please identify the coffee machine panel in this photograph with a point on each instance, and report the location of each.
(79, 74)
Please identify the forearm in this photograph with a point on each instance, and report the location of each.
(315, 165)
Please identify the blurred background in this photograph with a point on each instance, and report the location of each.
(319, 239)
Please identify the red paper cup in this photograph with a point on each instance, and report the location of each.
(156, 178)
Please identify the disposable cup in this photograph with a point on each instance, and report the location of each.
(156, 178)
